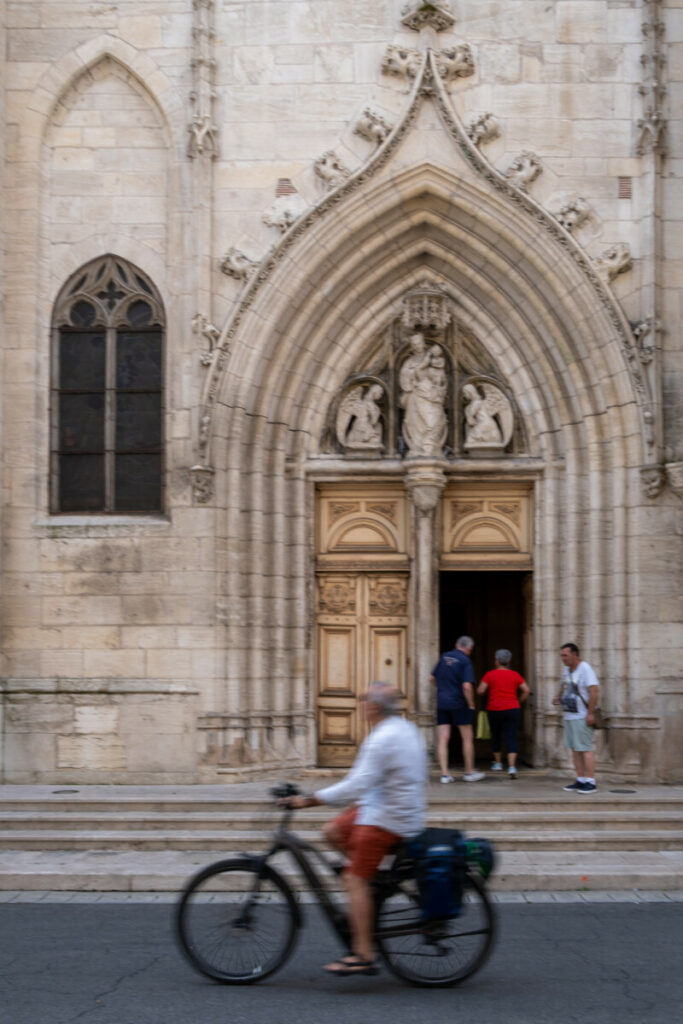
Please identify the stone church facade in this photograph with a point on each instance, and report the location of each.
(332, 330)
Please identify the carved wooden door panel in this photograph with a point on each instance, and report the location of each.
(362, 626)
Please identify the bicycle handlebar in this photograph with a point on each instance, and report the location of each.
(284, 790)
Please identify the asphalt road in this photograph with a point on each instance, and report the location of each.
(598, 963)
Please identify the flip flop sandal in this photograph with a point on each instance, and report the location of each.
(352, 964)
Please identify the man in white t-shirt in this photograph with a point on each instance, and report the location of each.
(579, 693)
(387, 787)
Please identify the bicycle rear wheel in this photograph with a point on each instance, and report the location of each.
(237, 921)
(436, 953)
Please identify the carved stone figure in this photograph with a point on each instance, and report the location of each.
(284, 211)
(614, 261)
(455, 62)
(202, 325)
(372, 127)
(401, 61)
(434, 13)
(482, 128)
(652, 478)
(489, 419)
(236, 264)
(523, 170)
(359, 419)
(331, 170)
(573, 213)
(423, 386)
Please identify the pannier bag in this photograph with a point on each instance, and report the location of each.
(442, 856)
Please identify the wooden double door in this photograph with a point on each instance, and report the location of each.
(362, 620)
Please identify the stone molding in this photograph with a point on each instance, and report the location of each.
(652, 125)
(422, 13)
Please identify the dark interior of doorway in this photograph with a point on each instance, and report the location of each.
(491, 607)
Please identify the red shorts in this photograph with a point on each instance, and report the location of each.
(366, 845)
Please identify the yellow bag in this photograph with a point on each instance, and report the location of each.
(483, 727)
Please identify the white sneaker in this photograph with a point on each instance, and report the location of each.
(473, 776)
(512, 771)
(446, 778)
(496, 766)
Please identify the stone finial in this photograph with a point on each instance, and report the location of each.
(331, 170)
(372, 127)
(652, 479)
(524, 170)
(455, 62)
(482, 128)
(401, 61)
(236, 264)
(614, 261)
(435, 13)
(573, 213)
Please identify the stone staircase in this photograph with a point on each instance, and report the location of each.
(94, 837)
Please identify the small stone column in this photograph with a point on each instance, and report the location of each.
(425, 481)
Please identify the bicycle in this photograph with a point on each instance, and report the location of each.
(237, 919)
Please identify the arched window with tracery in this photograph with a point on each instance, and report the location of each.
(107, 398)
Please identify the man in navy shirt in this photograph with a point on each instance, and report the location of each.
(454, 678)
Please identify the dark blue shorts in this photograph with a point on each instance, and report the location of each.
(454, 716)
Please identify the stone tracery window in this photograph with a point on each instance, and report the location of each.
(107, 400)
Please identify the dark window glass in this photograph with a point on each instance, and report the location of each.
(138, 483)
(81, 422)
(81, 360)
(138, 422)
(139, 314)
(82, 314)
(138, 360)
(81, 483)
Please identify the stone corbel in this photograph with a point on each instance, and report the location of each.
(652, 479)
(433, 13)
(202, 483)
(674, 477)
(425, 483)
(524, 170)
(614, 261)
(236, 264)
(482, 128)
(372, 126)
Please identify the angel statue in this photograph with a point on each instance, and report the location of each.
(359, 423)
(489, 419)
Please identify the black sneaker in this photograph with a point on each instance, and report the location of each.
(587, 787)
(573, 788)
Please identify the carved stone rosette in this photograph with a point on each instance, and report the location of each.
(402, 61)
(433, 13)
(455, 62)
(202, 129)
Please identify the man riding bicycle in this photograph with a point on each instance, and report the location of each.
(388, 785)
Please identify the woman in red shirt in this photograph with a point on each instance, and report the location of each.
(507, 690)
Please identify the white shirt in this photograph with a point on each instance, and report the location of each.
(583, 676)
(388, 779)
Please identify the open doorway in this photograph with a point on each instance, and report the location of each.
(494, 609)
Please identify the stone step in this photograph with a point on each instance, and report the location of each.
(169, 870)
(580, 816)
(229, 840)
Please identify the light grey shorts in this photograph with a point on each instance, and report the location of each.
(578, 735)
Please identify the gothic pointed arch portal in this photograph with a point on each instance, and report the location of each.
(324, 321)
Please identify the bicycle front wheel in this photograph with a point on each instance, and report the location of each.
(237, 921)
(435, 953)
